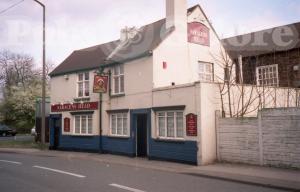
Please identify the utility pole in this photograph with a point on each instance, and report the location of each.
(43, 128)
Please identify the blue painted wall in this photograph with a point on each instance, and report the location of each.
(123, 146)
(185, 152)
(88, 143)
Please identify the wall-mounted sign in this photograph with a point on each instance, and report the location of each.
(75, 107)
(198, 33)
(100, 84)
(191, 125)
(67, 125)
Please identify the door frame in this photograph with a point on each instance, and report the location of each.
(133, 125)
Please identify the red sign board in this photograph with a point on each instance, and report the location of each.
(191, 125)
(66, 124)
(198, 33)
(100, 84)
(75, 107)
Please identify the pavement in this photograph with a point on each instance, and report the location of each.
(236, 174)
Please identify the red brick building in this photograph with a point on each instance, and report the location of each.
(267, 58)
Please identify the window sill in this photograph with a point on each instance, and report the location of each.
(119, 137)
(170, 140)
(79, 135)
(117, 95)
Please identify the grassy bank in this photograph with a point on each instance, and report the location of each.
(22, 144)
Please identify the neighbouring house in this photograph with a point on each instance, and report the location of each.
(267, 58)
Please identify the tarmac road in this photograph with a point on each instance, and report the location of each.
(23, 172)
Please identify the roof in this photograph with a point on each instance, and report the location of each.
(84, 59)
(148, 38)
(282, 38)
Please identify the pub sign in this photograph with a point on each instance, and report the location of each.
(100, 83)
(198, 33)
(191, 125)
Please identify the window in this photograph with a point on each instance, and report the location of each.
(267, 75)
(83, 124)
(83, 85)
(170, 124)
(118, 79)
(119, 124)
(206, 72)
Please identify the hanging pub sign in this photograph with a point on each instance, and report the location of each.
(74, 107)
(191, 125)
(66, 125)
(100, 83)
(198, 33)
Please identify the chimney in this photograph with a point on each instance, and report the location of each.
(176, 11)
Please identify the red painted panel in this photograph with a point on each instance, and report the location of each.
(75, 107)
(198, 33)
(191, 125)
(66, 124)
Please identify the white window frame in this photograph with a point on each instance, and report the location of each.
(123, 115)
(84, 88)
(166, 137)
(205, 73)
(80, 123)
(258, 79)
(121, 77)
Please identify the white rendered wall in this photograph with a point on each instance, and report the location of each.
(65, 91)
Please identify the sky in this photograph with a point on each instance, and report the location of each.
(77, 24)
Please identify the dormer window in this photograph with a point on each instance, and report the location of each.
(83, 85)
(118, 80)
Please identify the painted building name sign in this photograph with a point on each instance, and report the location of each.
(198, 33)
(75, 107)
(191, 125)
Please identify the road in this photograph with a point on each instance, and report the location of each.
(18, 138)
(21, 172)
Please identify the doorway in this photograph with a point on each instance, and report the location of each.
(141, 135)
(56, 129)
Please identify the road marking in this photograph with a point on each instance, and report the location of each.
(125, 188)
(12, 162)
(60, 171)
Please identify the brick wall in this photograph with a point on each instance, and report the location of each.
(272, 139)
(285, 60)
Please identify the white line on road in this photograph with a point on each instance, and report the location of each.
(126, 188)
(12, 162)
(60, 171)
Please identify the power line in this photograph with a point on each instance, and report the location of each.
(10, 7)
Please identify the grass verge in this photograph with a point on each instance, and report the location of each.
(22, 144)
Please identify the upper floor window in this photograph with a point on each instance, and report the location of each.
(170, 124)
(119, 124)
(83, 85)
(118, 79)
(83, 124)
(267, 75)
(205, 71)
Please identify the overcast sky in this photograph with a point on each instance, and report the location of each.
(76, 24)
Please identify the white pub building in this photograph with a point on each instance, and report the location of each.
(161, 94)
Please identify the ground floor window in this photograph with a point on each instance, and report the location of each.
(119, 124)
(83, 124)
(170, 124)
